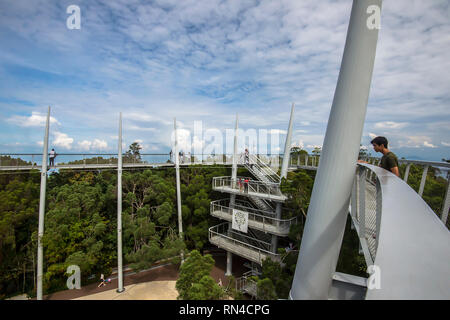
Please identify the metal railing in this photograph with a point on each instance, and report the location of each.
(443, 212)
(263, 220)
(247, 285)
(257, 250)
(259, 168)
(311, 161)
(400, 235)
(27, 161)
(270, 190)
(366, 202)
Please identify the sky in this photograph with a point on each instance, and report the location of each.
(206, 60)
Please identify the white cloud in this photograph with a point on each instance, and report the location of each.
(372, 135)
(138, 128)
(414, 142)
(84, 145)
(95, 145)
(277, 131)
(390, 125)
(98, 144)
(298, 144)
(446, 144)
(62, 140)
(429, 145)
(36, 119)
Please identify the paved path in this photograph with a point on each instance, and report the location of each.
(153, 290)
(162, 277)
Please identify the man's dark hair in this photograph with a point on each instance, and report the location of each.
(380, 141)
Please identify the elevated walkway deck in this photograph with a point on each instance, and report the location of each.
(262, 190)
(219, 237)
(257, 219)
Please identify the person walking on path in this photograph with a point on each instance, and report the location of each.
(102, 279)
(52, 158)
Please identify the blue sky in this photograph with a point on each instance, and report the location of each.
(205, 60)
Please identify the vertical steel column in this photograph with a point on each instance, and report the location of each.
(120, 287)
(405, 178)
(306, 160)
(177, 173)
(40, 253)
(327, 213)
(283, 172)
(422, 181)
(287, 145)
(233, 196)
(446, 205)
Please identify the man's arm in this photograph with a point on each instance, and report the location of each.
(394, 170)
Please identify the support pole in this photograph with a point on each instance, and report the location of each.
(327, 213)
(423, 180)
(446, 205)
(233, 196)
(287, 146)
(120, 287)
(405, 178)
(283, 172)
(177, 172)
(40, 253)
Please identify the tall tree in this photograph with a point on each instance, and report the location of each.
(133, 154)
(194, 281)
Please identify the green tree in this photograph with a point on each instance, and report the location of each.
(133, 154)
(317, 151)
(363, 152)
(195, 275)
(19, 203)
(205, 289)
(266, 290)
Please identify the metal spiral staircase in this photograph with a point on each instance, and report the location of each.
(258, 197)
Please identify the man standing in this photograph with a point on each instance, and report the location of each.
(52, 158)
(389, 160)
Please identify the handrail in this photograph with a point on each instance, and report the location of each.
(223, 206)
(412, 244)
(271, 190)
(220, 234)
(443, 166)
(265, 169)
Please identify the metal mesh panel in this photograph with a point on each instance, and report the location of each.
(371, 221)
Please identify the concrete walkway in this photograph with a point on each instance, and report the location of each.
(153, 290)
